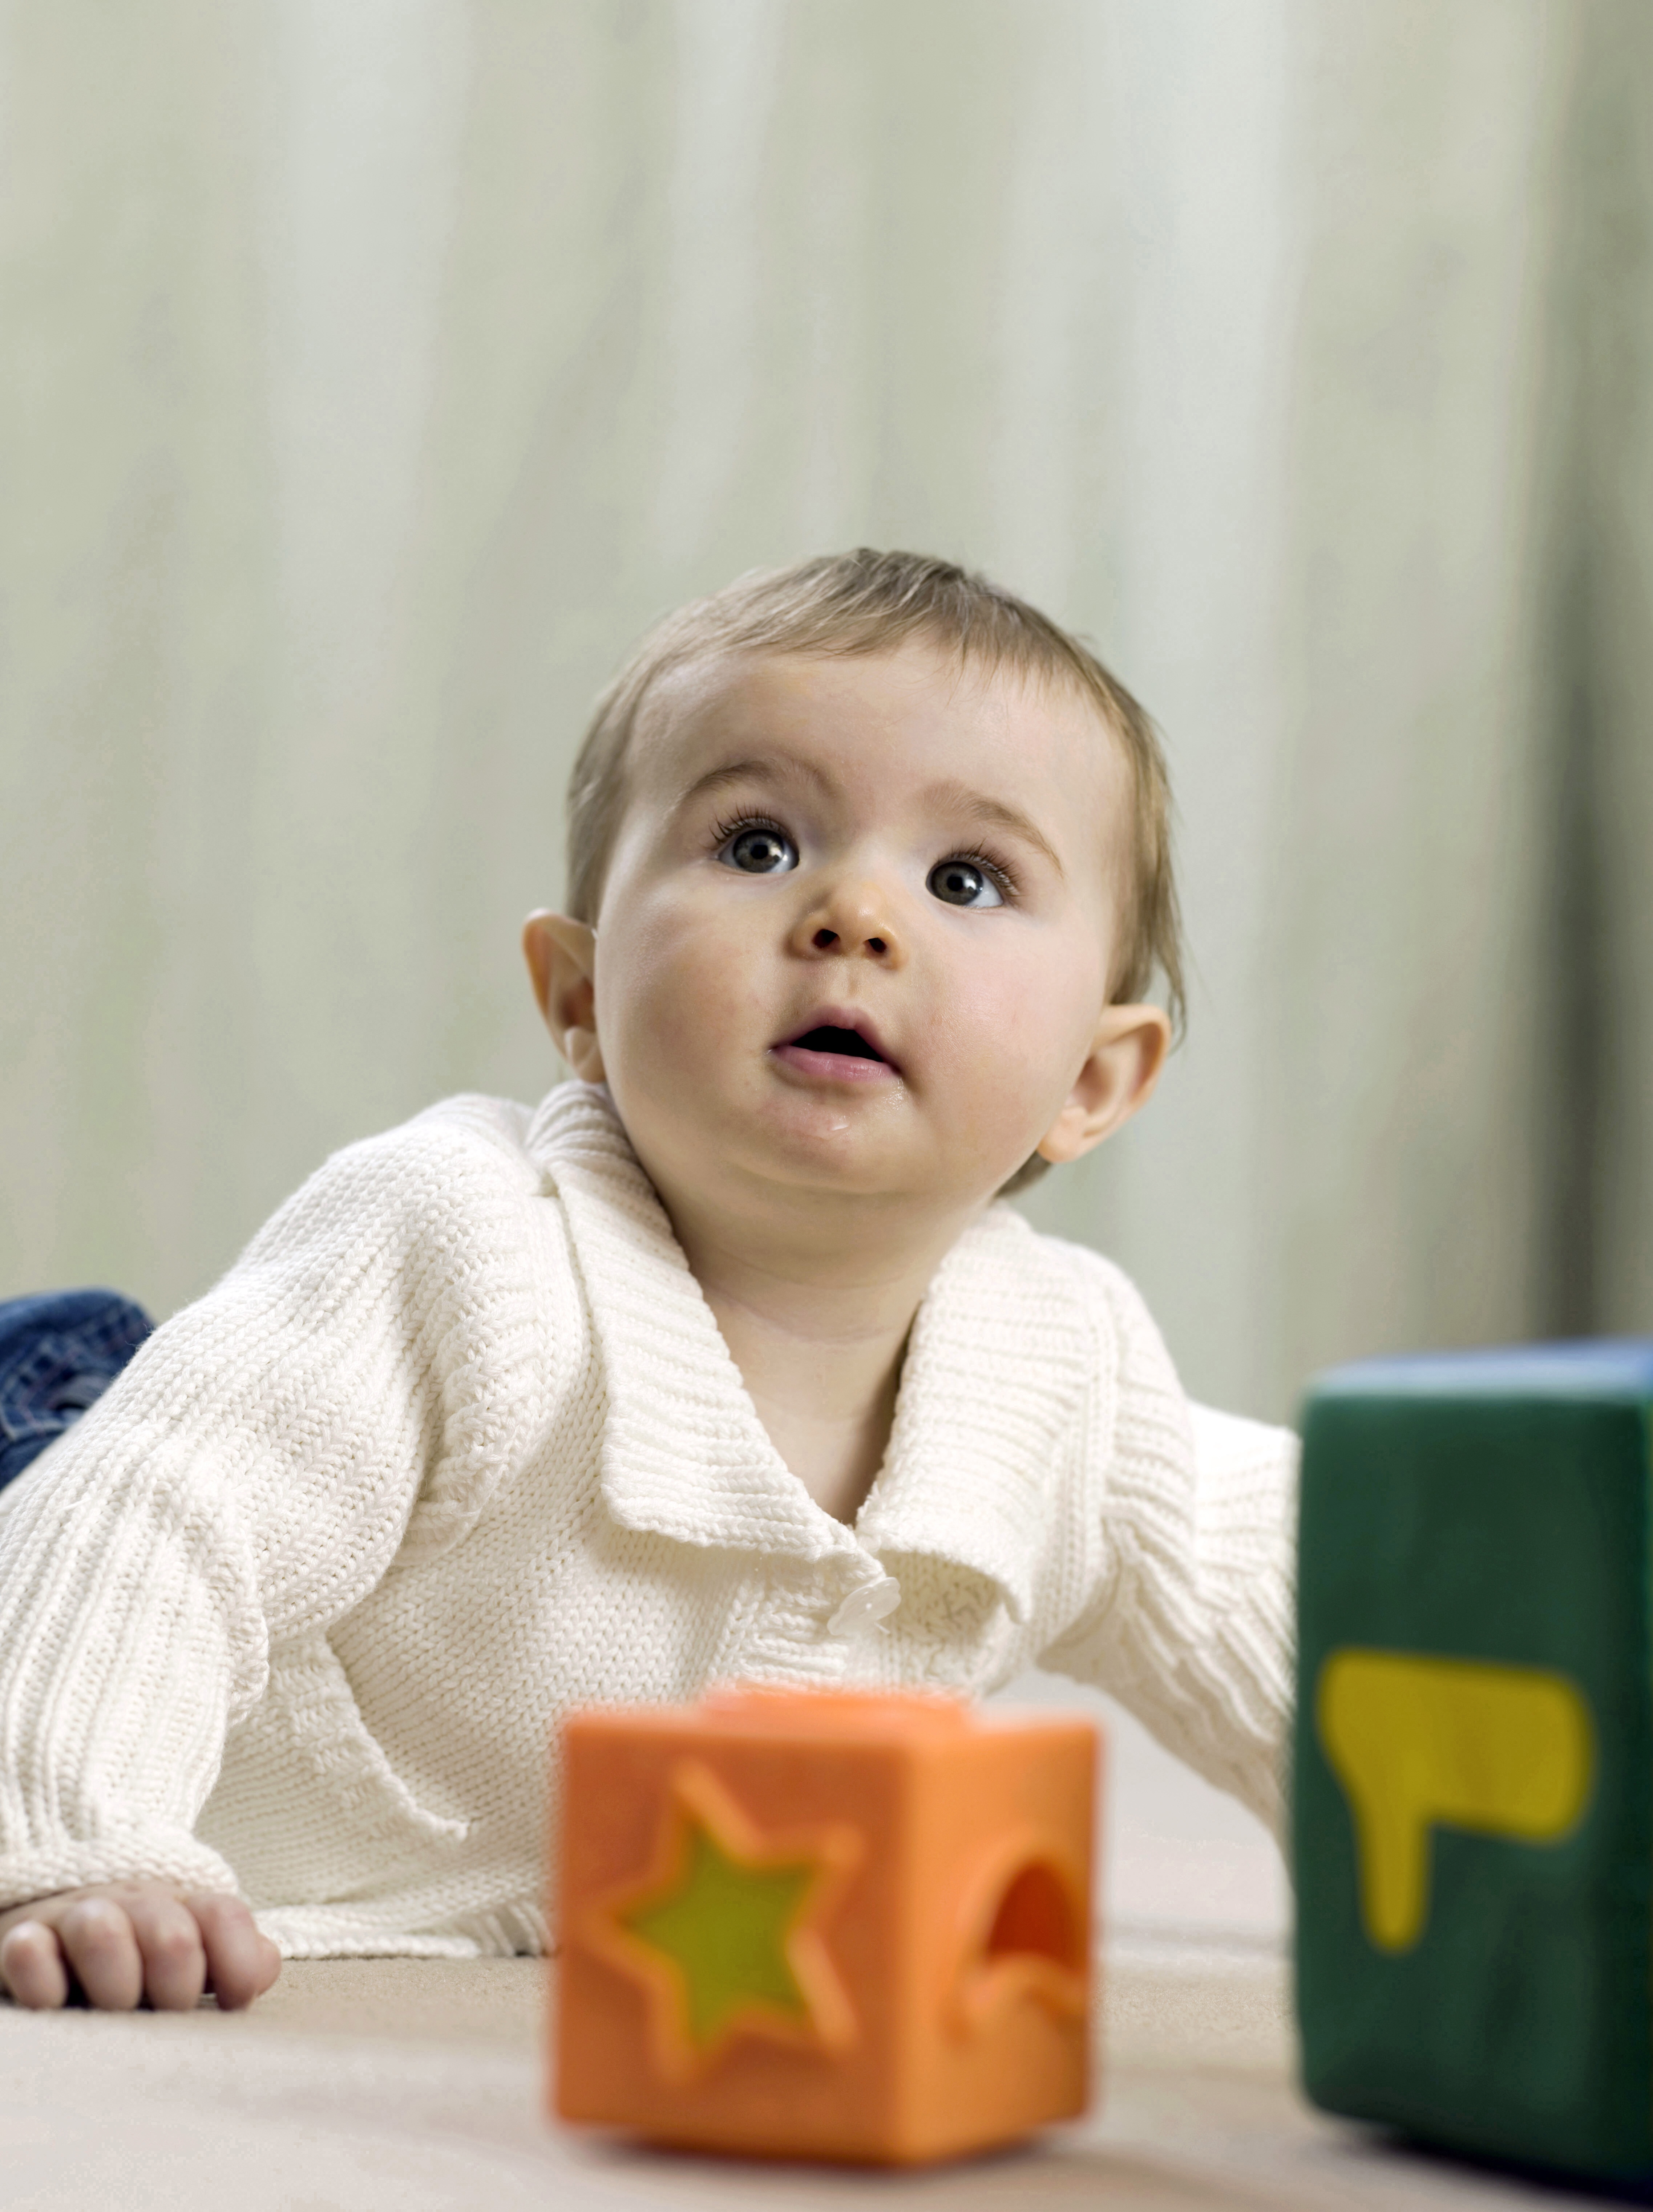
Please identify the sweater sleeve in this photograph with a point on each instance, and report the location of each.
(250, 1476)
(1192, 1628)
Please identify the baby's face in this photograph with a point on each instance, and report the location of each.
(857, 928)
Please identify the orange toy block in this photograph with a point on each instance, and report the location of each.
(809, 1924)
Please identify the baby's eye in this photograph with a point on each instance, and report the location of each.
(759, 849)
(964, 882)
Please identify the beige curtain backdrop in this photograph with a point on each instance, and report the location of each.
(371, 371)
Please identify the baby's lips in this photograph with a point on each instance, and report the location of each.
(848, 1018)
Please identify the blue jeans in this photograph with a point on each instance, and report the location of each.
(58, 1354)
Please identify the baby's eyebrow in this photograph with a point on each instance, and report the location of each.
(751, 771)
(996, 814)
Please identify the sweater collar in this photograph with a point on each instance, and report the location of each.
(1001, 1352)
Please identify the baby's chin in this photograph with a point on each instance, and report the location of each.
(783, 1143)
(864, 1166)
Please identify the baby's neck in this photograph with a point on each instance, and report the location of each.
(818, 1340)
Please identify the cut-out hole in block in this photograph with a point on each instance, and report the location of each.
(1029, 1944)
(1035, 1920)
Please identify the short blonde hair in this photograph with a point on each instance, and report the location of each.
(866, 602)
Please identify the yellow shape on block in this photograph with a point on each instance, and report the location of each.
(1419, 1743)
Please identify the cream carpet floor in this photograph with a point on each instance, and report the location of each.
(416, 2086)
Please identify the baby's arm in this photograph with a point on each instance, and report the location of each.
(128, 1943)
(1191, 1626)
(250, 1477)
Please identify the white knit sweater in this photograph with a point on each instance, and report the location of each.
(457, 1444)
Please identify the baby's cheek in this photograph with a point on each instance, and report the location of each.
(998, 1069)
(669, 1030)
(686, 999)
(1046, 1041)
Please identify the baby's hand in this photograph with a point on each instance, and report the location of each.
(129, 1940)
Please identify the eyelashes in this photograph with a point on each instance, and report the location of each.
(723, 831)
(992, 865)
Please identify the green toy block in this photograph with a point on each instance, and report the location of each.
(1473, 1773)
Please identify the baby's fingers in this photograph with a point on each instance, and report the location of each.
(241, 1964)
(174, 1958)
(32, 1967)
(101, 1949)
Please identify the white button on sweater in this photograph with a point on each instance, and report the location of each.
(456, 1444)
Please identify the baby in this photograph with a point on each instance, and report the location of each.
(721, 1363)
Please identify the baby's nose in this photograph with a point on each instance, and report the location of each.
(825, 939)
(853, 920)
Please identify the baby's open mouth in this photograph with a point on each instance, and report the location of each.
(850, 1042)
(833, 1052)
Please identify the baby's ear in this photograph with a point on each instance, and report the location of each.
(1119, 1074)
(561, 956)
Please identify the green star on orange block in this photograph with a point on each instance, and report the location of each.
(723, 1929)
(726, 1927)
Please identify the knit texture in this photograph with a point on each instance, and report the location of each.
(456, 1445)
